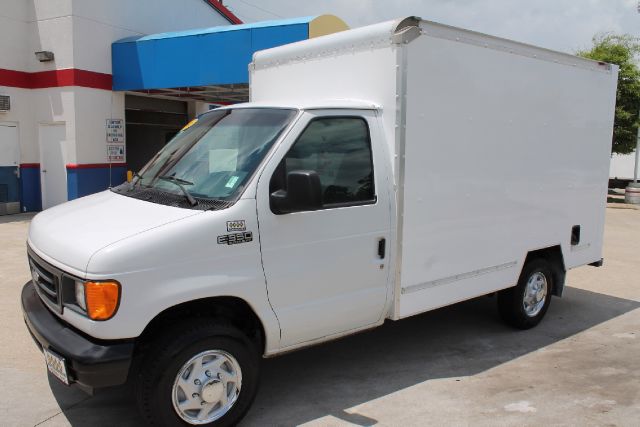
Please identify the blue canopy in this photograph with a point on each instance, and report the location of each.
(203, 57)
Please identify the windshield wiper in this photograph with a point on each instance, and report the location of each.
(179, 182)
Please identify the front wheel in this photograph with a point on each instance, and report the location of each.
(204, 374)
(524, 305)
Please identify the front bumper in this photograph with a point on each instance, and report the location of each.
(90, 363)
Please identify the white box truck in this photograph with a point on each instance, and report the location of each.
(376, 173)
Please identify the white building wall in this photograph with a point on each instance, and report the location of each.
(22, 115)
(93, 108)
(80, 34)
(148, 17)
(50, 28)
(96, 25)
(14, 44)
(30, 107)
(14, 31)
(55, 105)
(28, 27)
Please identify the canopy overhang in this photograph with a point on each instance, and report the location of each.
(206, 64)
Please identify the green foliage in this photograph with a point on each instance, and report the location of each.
(621, 50)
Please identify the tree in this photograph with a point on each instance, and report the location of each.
(621, 50)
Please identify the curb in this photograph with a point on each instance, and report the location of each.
(623, 206)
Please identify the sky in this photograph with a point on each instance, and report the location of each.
(565, 25)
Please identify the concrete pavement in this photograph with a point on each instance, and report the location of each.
(455, 366)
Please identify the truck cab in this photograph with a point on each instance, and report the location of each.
(218, 224)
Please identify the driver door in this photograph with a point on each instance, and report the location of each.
(327, 270)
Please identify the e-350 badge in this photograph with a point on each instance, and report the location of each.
(234, 239)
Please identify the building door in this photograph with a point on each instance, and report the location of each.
(9, 169)
(53, 173)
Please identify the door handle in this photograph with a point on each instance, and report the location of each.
(382, 246)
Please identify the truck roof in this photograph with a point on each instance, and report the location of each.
(405, 30)
(346, 104)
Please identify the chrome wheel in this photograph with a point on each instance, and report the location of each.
(206, 387)
(535, 294)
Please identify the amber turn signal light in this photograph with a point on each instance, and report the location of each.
(102, 299)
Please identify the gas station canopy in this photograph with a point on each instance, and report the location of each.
(208, 64)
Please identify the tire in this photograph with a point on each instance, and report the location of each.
(513, 308)
(207, 339)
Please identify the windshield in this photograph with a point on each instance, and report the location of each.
(216, 156)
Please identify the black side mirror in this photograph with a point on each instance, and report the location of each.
(303, 193)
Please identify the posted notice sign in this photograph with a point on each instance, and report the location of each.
(115, 153)
(115, 131)
(115, 140)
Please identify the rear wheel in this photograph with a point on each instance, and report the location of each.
(204, 374)
(524, 305)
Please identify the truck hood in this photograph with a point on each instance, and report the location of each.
(72, 232)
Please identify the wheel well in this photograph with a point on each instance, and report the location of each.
(553, 254)
(232, 309)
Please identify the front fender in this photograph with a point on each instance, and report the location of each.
(181, 262)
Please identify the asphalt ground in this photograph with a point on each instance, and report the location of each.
(459, 365)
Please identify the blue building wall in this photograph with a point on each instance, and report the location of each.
(30, 194)
(9, 184)
(83, 181)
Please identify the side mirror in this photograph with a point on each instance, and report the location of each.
(303, 193)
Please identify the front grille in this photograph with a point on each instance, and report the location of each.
(46, 279)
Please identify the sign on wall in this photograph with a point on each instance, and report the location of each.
(115, 131)
(115, 140)
(115, 153)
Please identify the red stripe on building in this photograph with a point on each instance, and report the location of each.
(95, 165)
(78, 166)
(229, 16)
(55, 78)
(14, 78)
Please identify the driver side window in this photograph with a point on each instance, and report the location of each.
(338, 149)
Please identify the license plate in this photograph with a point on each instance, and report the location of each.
(56, 365)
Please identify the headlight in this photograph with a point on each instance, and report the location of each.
(80, 299)
(99, 300)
